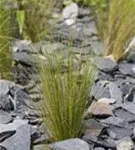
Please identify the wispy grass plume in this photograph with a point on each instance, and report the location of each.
(65, 95)
(5, 33)
(119, 28)
(36, 18)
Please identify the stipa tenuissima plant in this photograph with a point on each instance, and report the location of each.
(119, 27)
(65, 95)
(37, 13)
(5, 34)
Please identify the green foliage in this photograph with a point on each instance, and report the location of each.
(5, 53)
(119, 27)
(65, 95)
(20, 19)
(33, 18)
(93, 3)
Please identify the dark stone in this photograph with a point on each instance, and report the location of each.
(131, 95)
(127, 69)
(66, 33)
(40, 138)
(115, 92)
(104, 76)
(22, 98)
(130, 107)
(6, 103)
(2, 148)
(100, 90)
(24, 58)
(118, 132)
(116, 121)
(134, 131)
(92, 127)
(124, 114)
(85, 19)
(131, 57)
(100, 142)
(126, 85)
(5, 135)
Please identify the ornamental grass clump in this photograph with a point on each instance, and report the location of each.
(65, 95)
(5, 35)
(37, 14)
(119, 27)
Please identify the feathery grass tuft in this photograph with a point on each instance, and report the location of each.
(65, 95)
(37, 13)
(119, 28)
(5, 34)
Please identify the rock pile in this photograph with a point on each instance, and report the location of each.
(113, 109)
(110, 119)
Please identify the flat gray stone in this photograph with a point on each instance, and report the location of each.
(99, 148)
(118, 132)
(90, 29)
(127, 69)
(19, 141)
(23, 57)
(100, 109)
(116, 121)
(70, 11)
(21, 46)
(71, 144)
(92, 127)
(115, 92)
(122, 113)
(12, 126)
(125, 144)
(5, 117)
(4, 86)
(105, 64)
(130, 107)
(100, 90)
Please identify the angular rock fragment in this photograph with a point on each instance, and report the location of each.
(100, 109)
(125, 144)
(92, 127)
(118, 132)
(20, 140)
(5, 117)
(71, 144)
